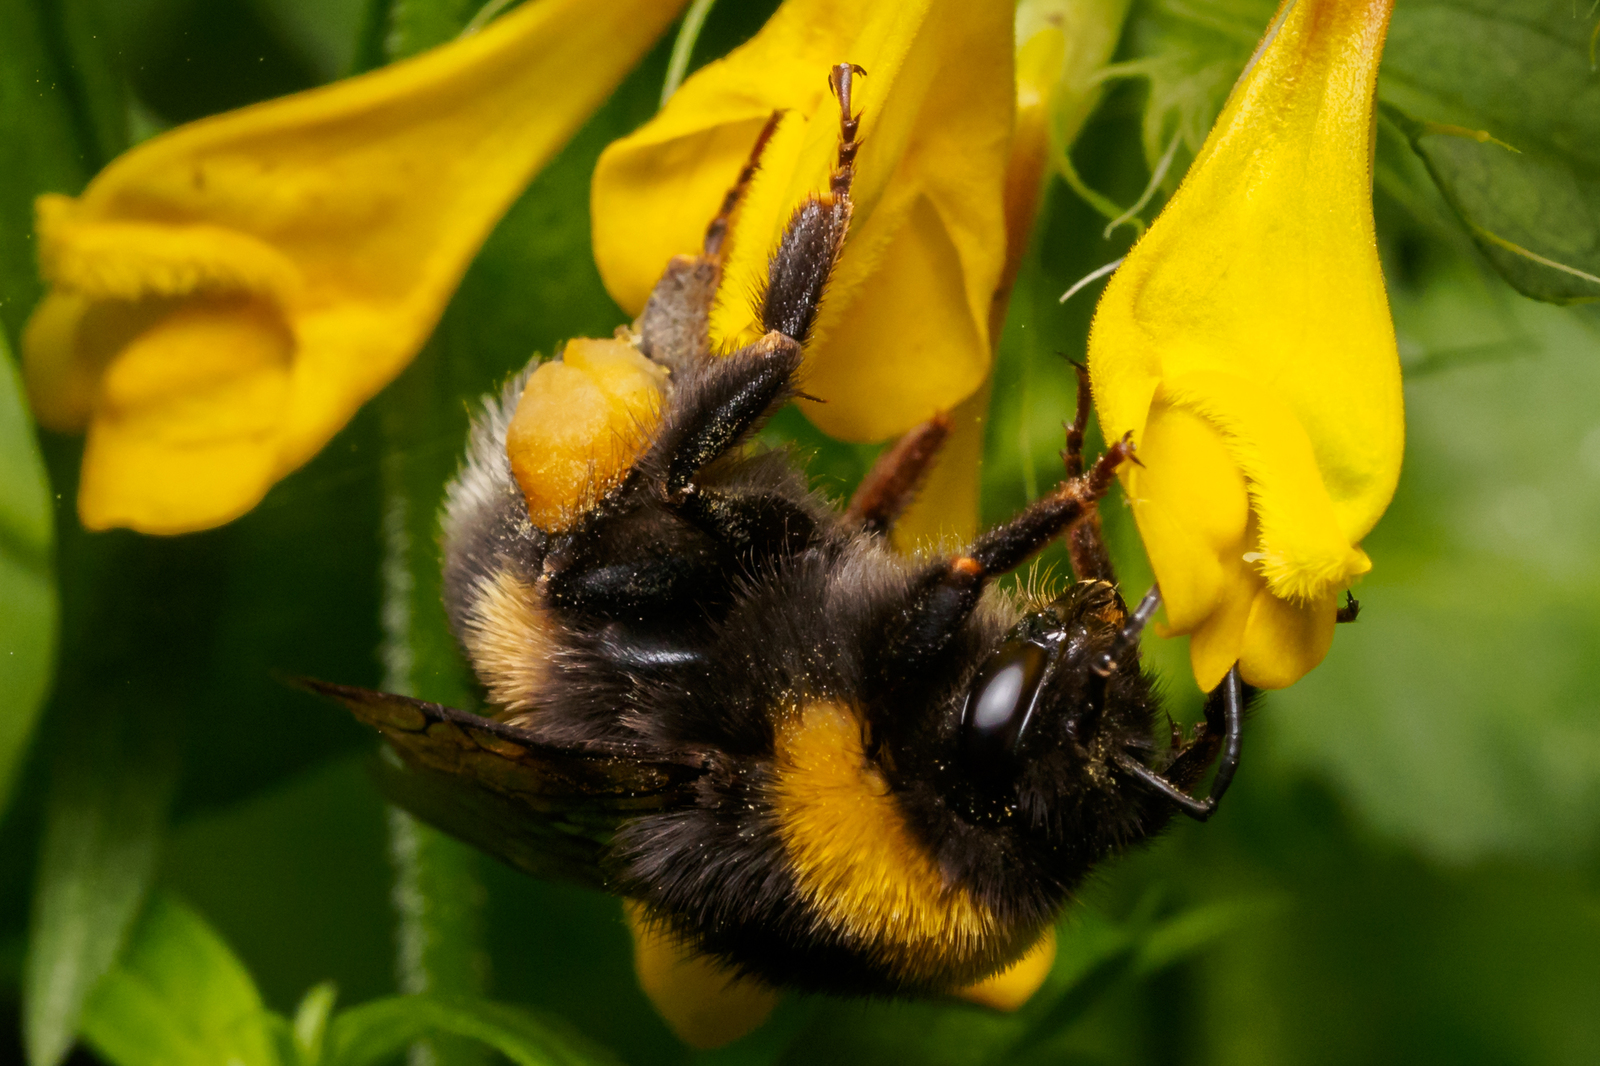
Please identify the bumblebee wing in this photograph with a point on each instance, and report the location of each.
(545, 809)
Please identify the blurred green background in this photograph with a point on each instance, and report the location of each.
(1407, 869)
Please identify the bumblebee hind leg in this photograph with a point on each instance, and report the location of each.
(800, 267)
(674, 328)
(718, 401)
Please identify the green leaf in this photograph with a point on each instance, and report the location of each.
(1190, 932)
(369, 1033)
(311, 1021)
(415, 25)
(1502, 102)
(106, 811)
(178, 998)
(1536, 218)
(27, 579)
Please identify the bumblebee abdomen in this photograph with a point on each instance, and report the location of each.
(857, 867)
(818, 879)
(510, 635)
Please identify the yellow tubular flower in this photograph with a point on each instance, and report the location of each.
(1246, 344)
(226, 295)
(904, 330)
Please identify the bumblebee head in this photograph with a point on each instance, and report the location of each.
(1052, 717)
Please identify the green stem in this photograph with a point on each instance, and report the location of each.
(438, 894)
(683, 47)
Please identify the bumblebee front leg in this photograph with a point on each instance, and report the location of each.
(1085, 542)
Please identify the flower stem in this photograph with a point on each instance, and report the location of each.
(683, 47)
(438, 895)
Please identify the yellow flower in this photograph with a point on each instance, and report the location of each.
(1246, 344)
(904, 330)
(226, 295)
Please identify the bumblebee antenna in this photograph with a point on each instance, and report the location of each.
(1128, 638)
(1102, 666)
(1227, 766)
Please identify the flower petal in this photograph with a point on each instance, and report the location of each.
(1255, 303)
(1265, 265)
(187, 419)
(1283, 641)
(704, 1004)
(352, 209)
(880, 371)
(936, 104)
(1190, 503)
(1304, 552)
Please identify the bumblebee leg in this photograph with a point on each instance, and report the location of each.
(1223, 731)
(1006, 547)
(811, 241)
(718, 403)
(1085, 542)
(754, 526)
(1072, 455)
(897, 475)
(716, 242)
(674, 329)
(950, 588)
(725, 398)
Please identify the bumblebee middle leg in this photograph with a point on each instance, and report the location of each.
(894, 479)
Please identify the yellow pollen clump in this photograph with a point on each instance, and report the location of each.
(582, 422)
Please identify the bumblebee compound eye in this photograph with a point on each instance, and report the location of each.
(999, 706)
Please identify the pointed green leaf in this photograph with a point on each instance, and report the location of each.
(369, 1033)
(311, 1021)
(109, 794)
(178, 998)
(1536, 217)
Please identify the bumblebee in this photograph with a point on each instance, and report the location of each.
(814, 762)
